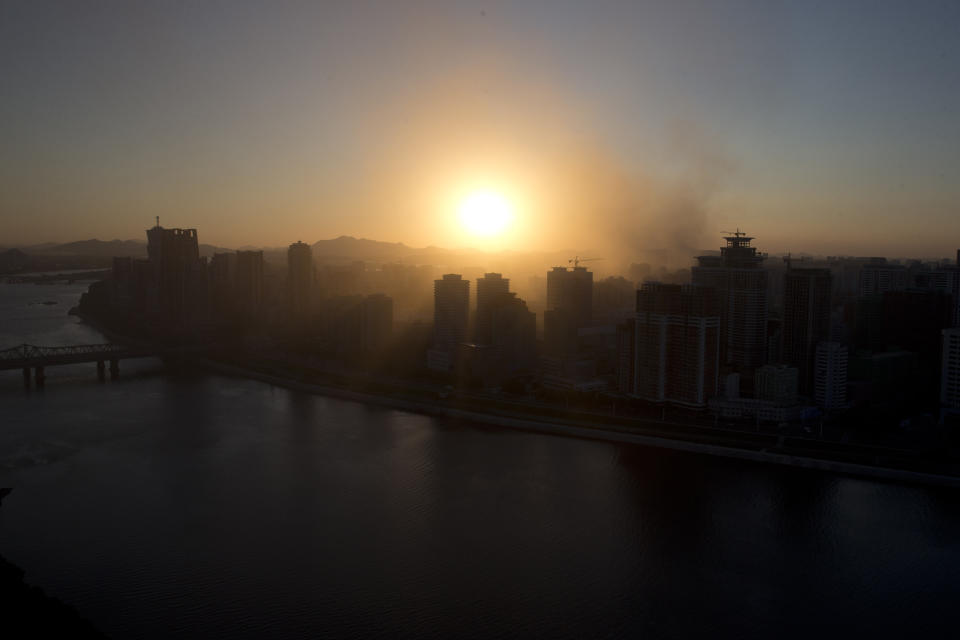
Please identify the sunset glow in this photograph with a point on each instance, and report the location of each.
(582, 319)
(485, 213)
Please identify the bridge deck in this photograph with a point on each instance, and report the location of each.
(28, 355)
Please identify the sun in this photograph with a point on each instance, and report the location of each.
(485, 213)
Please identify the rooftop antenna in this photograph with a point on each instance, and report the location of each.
(158, 222)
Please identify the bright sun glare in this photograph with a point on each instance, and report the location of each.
(485, 213)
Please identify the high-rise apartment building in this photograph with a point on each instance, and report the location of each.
(299, 279)
(626, 355)
(675, 345)
(356, 325)
(569, 309)
(878, 277)
(492, 290)
(505, 324)
(123, 295)
(571, 290)
(806, 319)
(179, 274)
(946, 279)
(950, 370)
(741, 285)
(451, 308)
(830, 377)
(223, 275)
(248, 284)
(777, 384)
(451, 312)
(513, 335)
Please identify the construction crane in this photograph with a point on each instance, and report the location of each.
(576, 260)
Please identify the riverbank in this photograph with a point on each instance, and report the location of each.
(553, 427)
(720, 442)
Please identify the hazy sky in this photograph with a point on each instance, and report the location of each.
(816, 126)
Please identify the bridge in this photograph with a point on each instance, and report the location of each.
(28, 356)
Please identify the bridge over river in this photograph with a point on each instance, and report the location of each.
(31, 357)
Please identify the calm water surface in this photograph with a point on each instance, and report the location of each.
(197, 504)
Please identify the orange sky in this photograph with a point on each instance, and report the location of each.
(620, 128)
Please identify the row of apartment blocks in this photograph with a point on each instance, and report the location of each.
(504, 329)
(892, 340)
(671, 353)
(176, 288)
(715, 342)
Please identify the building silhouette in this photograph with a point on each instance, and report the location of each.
(299, 279)
(357, 325)
(914, 320)
(830, 376)
(376, 322)
(571, 290)
(950, 374)
(626, 356)
(451, 299)
(877, 277)
(343, 280)
(676, 345)
(492, 291)
(505, 330)
(223, 274)
(806, 319)
(179, 275)
(614, 300)
(885, 380)
(513, 335)
(741, 285)
(133, 289)
(947, 280)
(451, 313)
(777, 384)
(248, 284)
(569, 309)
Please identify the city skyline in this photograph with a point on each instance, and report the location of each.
(729, 334)
(436, 318)
(822, 129)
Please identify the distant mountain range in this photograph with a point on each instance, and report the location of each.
(102, 248)
(360, 248)
(344, 248)
(83, 254)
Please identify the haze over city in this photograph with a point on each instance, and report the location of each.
(506, 318)
(827, 127)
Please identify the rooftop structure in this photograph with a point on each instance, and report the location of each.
(742, 288)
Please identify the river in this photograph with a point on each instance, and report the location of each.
(211, 506)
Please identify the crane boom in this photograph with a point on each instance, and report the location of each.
(576, 260)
